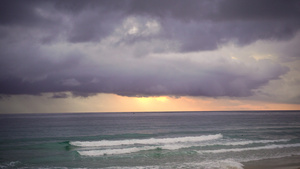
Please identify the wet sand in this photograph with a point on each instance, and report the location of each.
(292, 162)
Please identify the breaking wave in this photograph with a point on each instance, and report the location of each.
(251, 148)
(116, 147)
(254, 142)
(113, 151)
(221, 164)
(151, 141)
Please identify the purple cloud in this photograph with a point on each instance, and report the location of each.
(139, 48)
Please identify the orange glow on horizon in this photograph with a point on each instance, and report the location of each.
(151, 100)
(115, 103)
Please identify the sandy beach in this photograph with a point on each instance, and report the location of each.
(292, 162)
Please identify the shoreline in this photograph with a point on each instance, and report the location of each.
(291, 162)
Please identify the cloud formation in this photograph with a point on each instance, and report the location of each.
(140, 48)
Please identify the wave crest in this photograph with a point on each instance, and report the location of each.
(152, 141)
(274, 146)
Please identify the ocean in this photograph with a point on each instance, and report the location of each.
(148, 140)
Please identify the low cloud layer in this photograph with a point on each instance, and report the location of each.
(141, 48)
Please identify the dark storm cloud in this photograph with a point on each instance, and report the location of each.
(44, 46)
(200, 25)
(59, 95)
(203, 25)
(18, 12)
(266, 9)
(218, 10)
(161, 77)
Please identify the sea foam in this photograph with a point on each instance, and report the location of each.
(113, 151)
(253, 142)
(218, 164)
(176, 146)
(251, 148)
(151, 141)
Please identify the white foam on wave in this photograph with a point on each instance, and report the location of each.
(251, 148)
(113, 151)
(273, 156)
(175, 146)
(253, 142)
(222, 164)
(178, 145)
(152, 141)
(9, 164)
(218, 164)
(222, 143)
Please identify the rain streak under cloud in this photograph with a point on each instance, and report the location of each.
(219, 48)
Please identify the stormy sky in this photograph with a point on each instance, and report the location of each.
(191, 48)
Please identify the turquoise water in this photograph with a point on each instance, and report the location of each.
(147, 140)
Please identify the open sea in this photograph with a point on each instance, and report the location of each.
(150, 140)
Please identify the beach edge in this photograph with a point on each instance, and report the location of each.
(290, 162)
